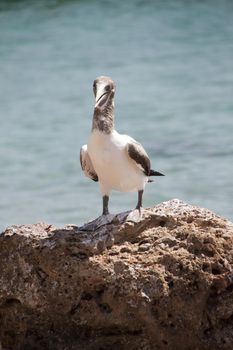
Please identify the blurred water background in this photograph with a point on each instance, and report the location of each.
(172, 61)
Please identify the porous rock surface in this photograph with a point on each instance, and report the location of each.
(162, 281)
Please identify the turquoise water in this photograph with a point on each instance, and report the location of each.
(173, 65)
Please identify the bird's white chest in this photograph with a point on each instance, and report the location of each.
(111, 162)
(105, 149)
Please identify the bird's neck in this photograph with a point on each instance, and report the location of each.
(103, 118)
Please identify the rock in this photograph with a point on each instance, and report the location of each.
(162, 280)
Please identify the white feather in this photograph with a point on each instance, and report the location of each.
(115, 169)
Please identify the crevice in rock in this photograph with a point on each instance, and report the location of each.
(105, 308)
(11, 302)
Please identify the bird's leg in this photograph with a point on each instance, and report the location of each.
(139, 204)
(105, 205)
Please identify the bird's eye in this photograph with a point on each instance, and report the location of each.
(107, 88)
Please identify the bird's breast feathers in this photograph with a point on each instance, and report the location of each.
(111, 162)
(105, 147)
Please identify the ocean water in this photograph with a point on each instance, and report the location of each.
(172, 62)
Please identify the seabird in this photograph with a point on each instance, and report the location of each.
(117, 161)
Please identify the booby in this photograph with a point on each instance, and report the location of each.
(116, 161)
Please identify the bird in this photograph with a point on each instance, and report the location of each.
(118, 162)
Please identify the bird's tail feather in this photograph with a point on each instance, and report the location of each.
(155, 173)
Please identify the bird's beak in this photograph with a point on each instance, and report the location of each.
(103, 96)
(100, 93)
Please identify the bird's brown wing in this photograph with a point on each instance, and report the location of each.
(86, 164)
(137, 153)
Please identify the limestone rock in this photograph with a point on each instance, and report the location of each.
(162, 280)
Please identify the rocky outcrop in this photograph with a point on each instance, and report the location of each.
(162, 280)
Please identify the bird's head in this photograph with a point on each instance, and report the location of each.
(104, 89)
